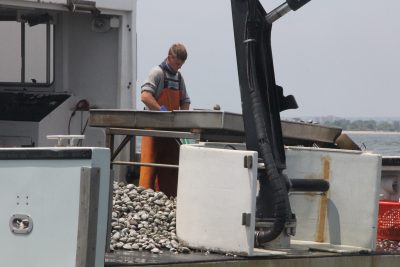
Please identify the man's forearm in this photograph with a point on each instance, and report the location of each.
(149, 100)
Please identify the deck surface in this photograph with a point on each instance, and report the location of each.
(294, 258)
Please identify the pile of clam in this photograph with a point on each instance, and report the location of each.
(143, 220)
(388, 246)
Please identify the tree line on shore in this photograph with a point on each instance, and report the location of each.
(364, 125)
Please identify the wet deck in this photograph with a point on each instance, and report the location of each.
(294, 258)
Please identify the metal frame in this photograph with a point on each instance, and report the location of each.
(48, 52)
(23, 46)
(130, 136)
(49, 66)
(88, 215)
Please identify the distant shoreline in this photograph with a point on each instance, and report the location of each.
(370, 132)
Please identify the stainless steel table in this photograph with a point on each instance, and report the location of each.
(199, 125)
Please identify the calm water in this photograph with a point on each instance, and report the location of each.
(385, 143)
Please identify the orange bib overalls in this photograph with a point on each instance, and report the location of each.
(162, 150)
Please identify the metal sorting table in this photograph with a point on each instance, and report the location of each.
(198, 125)
(195, 125)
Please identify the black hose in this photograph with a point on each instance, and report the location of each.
(82, 132)
(69, 121)
(280, 194)
(309, 185)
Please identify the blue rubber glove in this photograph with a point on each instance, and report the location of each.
(163, 108)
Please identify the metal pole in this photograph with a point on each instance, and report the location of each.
(284, 9)
(277, 13)
(145, 164)
(48, 55)
(23, 52)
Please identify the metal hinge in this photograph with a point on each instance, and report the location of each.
(83, 5)
(246, 219)
(248, 162)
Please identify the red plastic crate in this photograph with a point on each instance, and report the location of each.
(389, 220)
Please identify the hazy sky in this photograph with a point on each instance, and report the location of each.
(337, 57)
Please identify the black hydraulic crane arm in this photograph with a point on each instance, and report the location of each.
(262, 101)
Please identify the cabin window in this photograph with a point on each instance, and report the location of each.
(26, 52)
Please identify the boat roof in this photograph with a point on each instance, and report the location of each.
(117, 5)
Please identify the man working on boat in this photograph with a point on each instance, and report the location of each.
(163, 90)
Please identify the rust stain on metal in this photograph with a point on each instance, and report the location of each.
(323, 204)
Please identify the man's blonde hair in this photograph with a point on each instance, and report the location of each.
(178, 50)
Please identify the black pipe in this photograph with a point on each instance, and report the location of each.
(277, 13)
(296, 4)
(309, 185)
(280, 194)
(283, 9)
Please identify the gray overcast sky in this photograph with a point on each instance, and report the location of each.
(337, 57)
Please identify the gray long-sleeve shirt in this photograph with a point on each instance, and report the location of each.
(155, 84)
